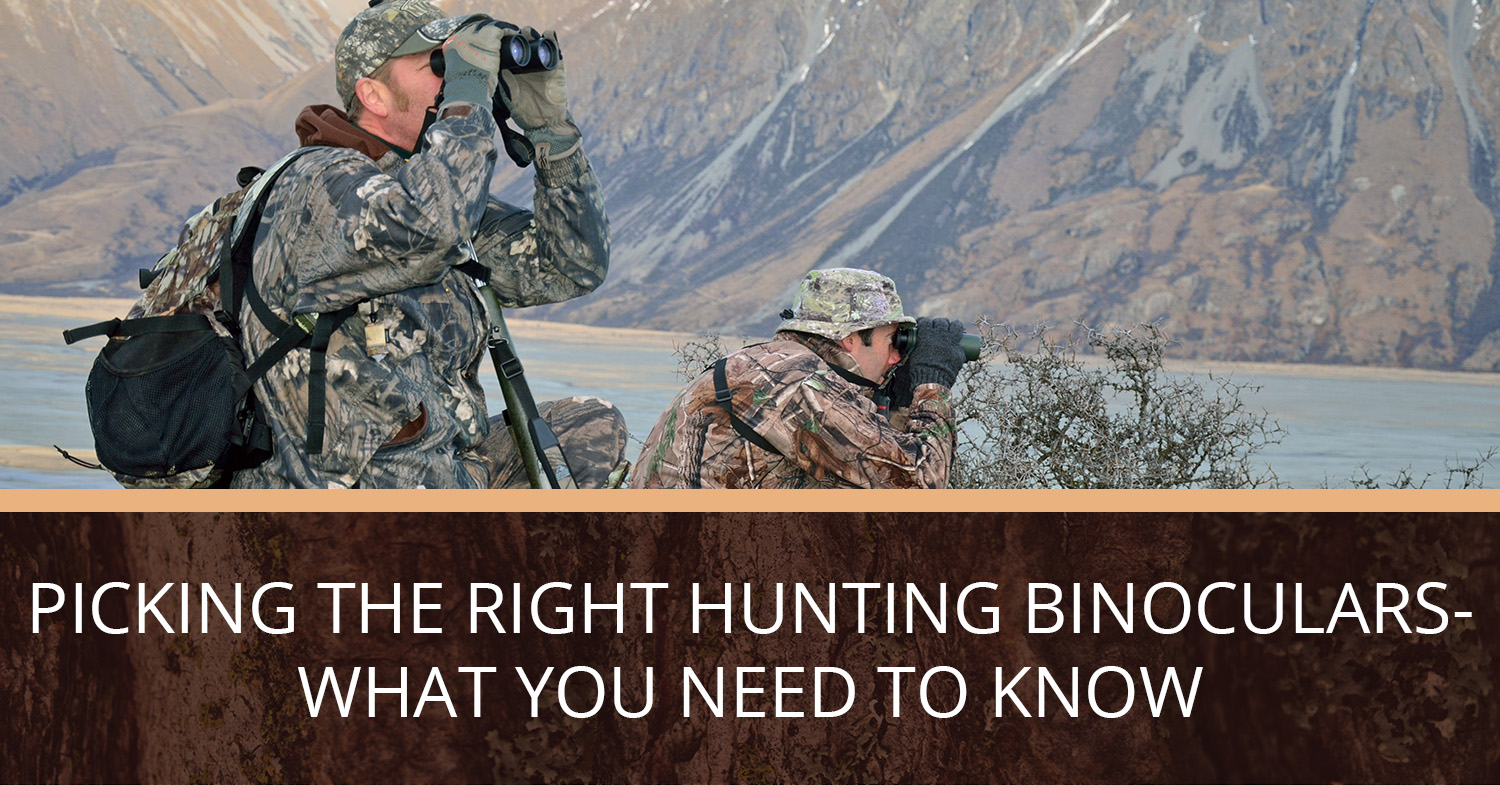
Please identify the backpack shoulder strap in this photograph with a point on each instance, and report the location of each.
(725, 398)
(233, 266)
(237, 282)
(317, 377)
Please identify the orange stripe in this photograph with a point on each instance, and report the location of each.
(1341, 500)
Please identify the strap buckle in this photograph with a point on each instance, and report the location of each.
(511, 368)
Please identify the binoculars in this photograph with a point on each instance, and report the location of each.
(905, 339)
(519, 54)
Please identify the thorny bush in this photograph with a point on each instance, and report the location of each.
(1042, 413)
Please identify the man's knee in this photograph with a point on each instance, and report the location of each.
(593, 436)
(590, 430)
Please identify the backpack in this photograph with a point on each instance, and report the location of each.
(170, 397)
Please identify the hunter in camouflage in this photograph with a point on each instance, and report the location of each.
(363, 221)
(808, 393)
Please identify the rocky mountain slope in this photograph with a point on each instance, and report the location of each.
(81, 74)
(1273, 180)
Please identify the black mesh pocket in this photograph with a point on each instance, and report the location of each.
(163, 403)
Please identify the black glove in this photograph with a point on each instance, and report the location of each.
(937, 355)
(898, 388)
(934, 358)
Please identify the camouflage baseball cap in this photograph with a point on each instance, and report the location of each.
(388, 28)
(834, 303)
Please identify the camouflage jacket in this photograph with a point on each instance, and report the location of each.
(826, 428)
(355, 221)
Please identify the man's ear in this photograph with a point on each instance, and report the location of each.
(849, 341)
(374, 95)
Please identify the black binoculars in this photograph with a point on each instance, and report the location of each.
(906, 338)
(519, 54)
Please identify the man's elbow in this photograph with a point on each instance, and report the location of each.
(588, 265)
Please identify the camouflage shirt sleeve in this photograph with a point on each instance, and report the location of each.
(562, 252)
(830, 429)
(400, 229)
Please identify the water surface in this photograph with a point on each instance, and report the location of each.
(1340, 422)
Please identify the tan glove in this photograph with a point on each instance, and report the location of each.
(539, 103)
(471, 64)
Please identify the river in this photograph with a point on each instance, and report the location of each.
(1340, 422)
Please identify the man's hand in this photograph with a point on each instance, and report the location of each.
(471, 64)
(539, 103)
(935, 359)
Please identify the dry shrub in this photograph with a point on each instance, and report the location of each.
(1097, 410)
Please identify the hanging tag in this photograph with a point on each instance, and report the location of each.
(375, 340)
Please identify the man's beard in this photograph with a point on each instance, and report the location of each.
(401, 100)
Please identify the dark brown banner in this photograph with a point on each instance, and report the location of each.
(749, 647)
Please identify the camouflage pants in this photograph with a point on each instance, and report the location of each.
(592, 434)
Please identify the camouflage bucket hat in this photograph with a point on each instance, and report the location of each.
(834, 303)
(388, 29)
